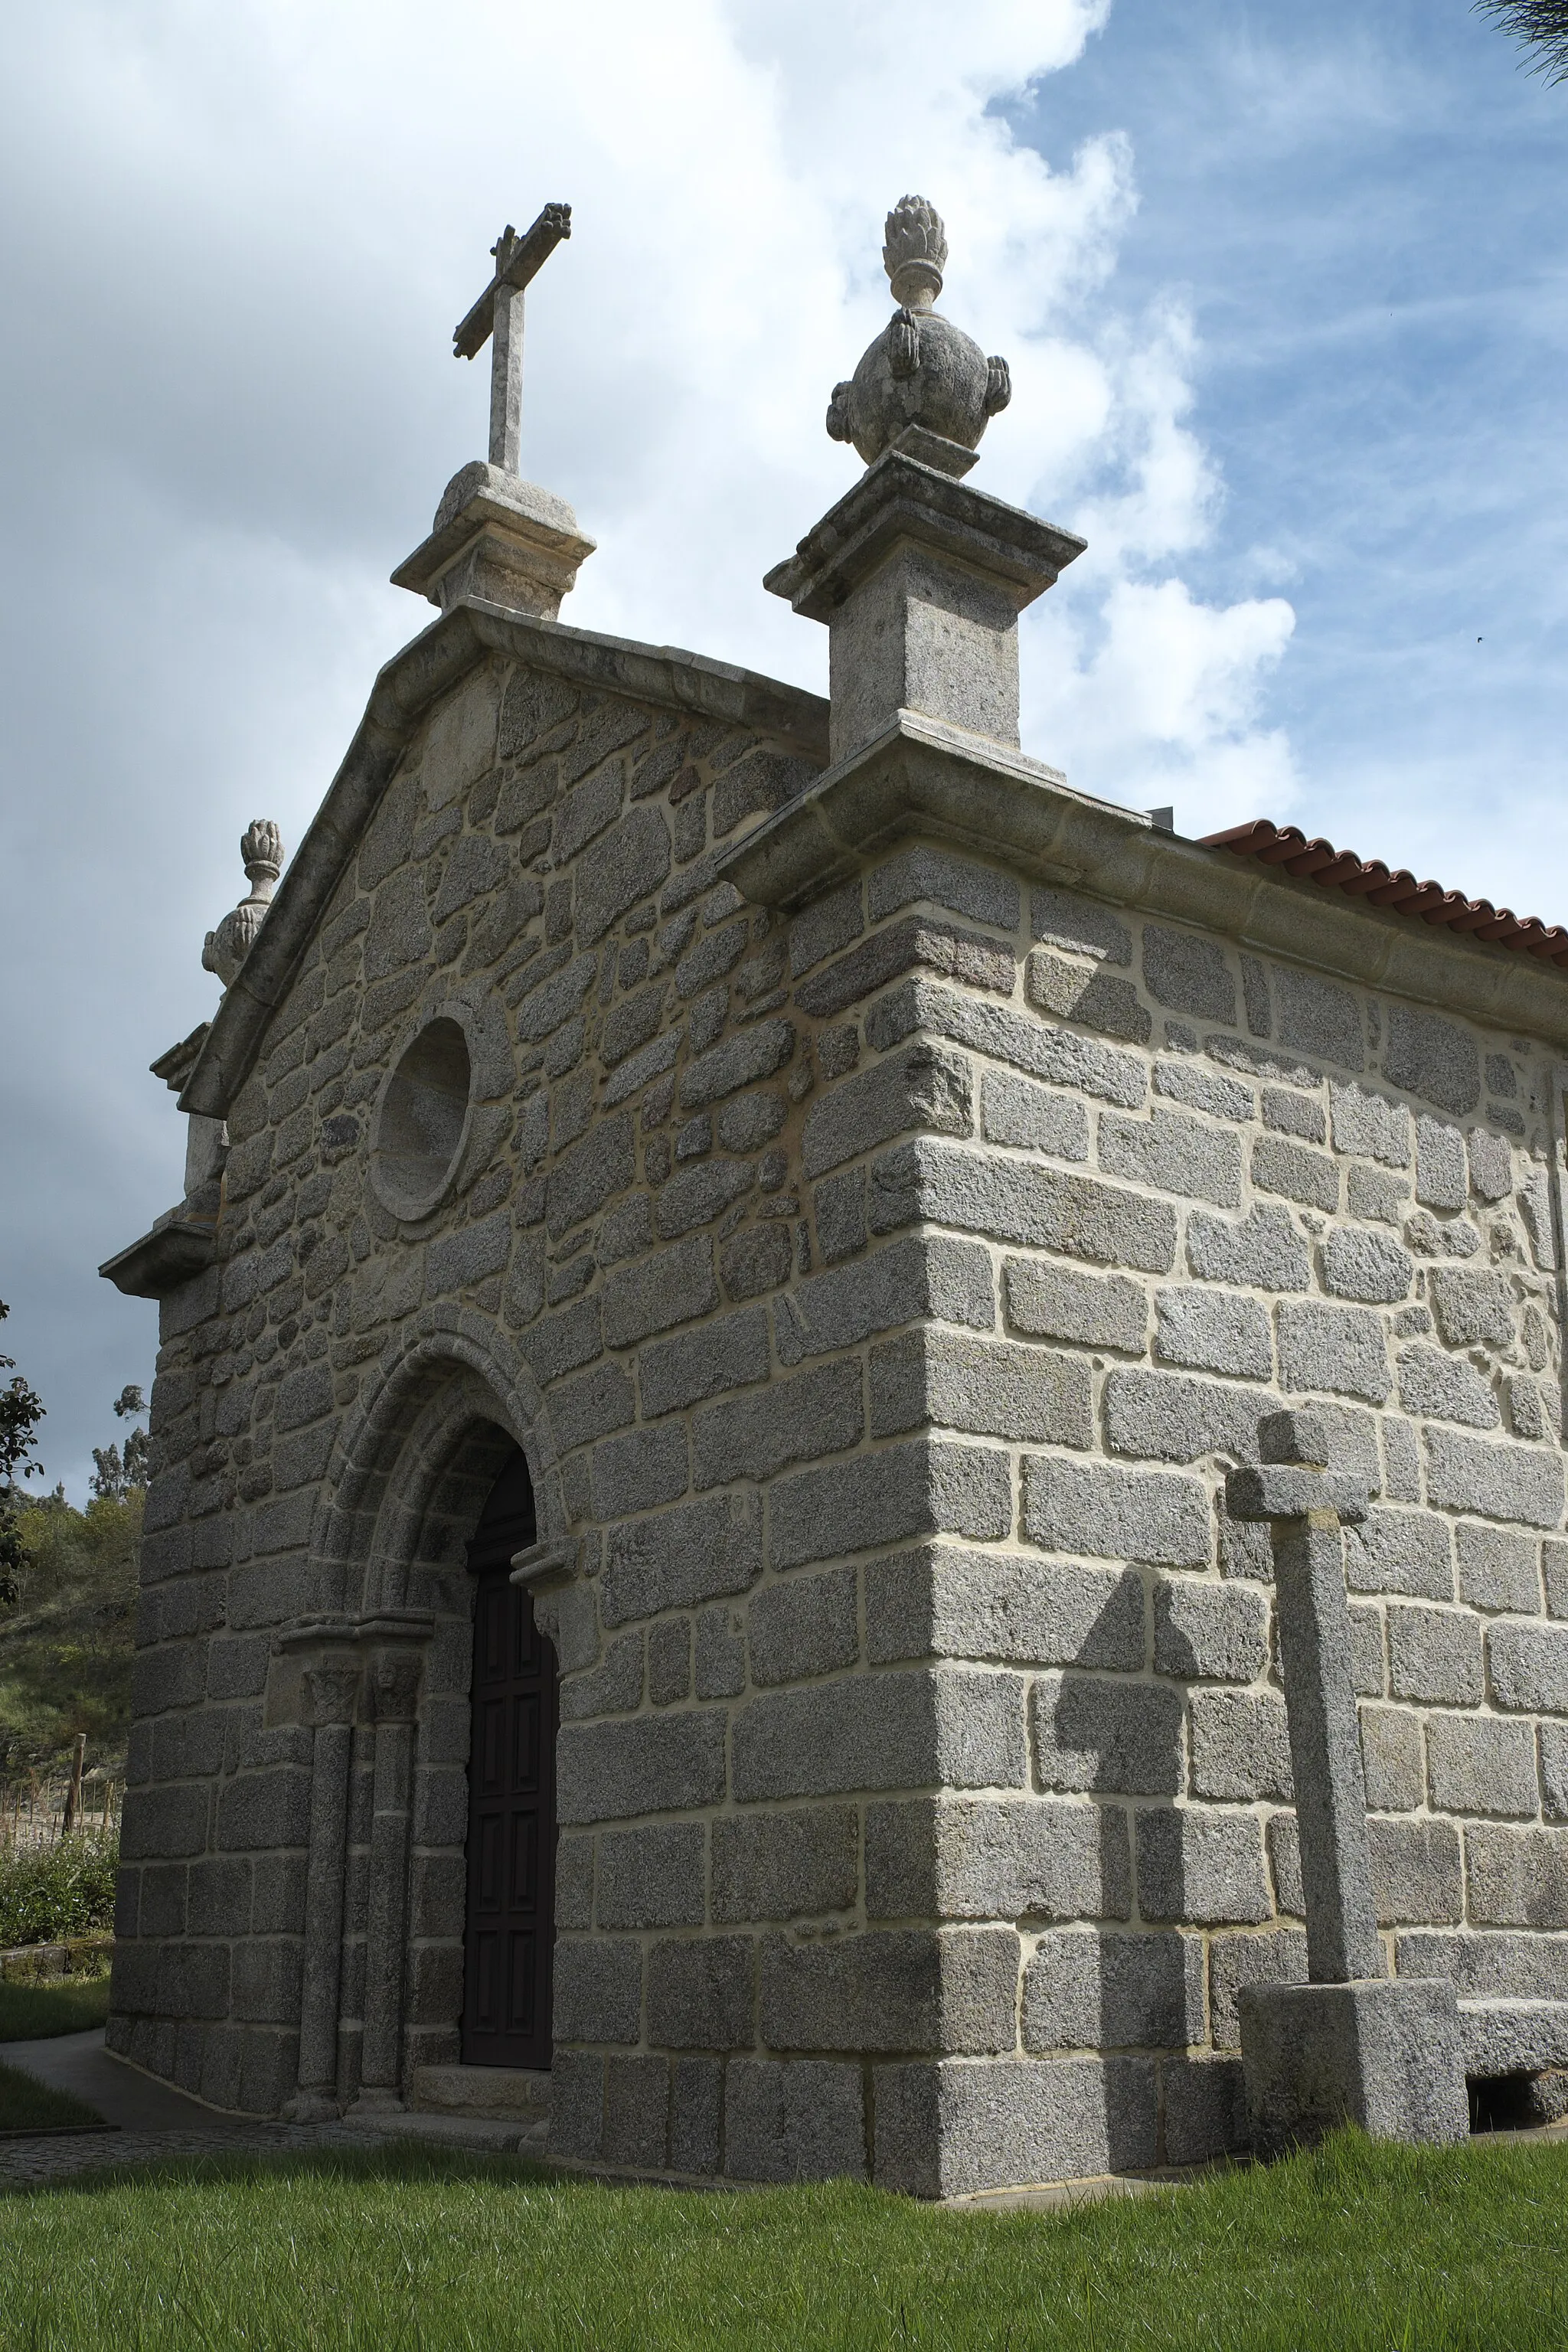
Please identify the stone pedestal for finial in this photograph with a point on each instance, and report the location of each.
(921, 580)
(1352, 2045)
(500, 540)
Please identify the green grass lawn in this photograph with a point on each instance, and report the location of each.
(27, 2104)
(61, 2005)
(1350, 2248)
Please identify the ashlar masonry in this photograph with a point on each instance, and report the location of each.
(803, 1207)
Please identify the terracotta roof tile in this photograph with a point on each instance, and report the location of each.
(1341, 869)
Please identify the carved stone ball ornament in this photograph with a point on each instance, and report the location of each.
(923, 378)
(224, 950)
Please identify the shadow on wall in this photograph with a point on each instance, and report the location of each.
(1135, 1992)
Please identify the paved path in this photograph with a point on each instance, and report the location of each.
(155, 2122)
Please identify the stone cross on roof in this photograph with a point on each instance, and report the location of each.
(498, 314)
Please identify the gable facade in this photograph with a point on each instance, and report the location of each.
(814, 1205)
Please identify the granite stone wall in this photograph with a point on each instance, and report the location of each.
(880, 1294)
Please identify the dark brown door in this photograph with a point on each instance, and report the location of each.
(510, 1924)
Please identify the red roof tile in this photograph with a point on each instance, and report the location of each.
(1341, 869)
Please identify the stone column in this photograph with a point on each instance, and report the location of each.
(331, 1693)
(1351, 2046)
(393, 1687)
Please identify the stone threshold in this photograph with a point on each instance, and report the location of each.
(482, 2135)
(500, 2093)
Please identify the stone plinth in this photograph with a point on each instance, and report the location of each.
(920, 581)
(1387, 2055)
(498, 538)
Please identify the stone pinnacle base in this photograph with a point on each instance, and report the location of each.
(1383, 2053)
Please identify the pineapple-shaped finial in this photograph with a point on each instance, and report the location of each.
(261, 852)
(915, 253)
(923, 388)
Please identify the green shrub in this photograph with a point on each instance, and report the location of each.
(34, 2012)
(51, 1893)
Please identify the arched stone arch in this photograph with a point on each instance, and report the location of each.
(382, 1508)
(414, 1460)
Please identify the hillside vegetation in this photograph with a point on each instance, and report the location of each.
(66, 1645)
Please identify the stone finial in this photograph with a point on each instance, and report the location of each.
(915, 253)
(923, 386)
(226, 948)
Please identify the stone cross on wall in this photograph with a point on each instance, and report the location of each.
(1353, 2044)
(497, 317)
(1305, 1505)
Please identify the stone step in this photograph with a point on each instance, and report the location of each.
(508, 2094)
(485, 2135)
(1513, 2037)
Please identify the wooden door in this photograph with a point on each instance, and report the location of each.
(510, 1924)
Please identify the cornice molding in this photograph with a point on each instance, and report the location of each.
(924, 778)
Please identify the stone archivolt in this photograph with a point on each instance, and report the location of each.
(905, 1183)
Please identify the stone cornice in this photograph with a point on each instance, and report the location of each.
(405, 690)
(177, 1249)
(898, 499)
(924, 778)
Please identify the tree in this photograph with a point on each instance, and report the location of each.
(1541, 27)
(67, 1650)
(21, 1410)
(117, 1474)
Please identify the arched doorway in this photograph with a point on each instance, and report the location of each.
(510, 1922)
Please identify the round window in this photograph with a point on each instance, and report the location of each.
(423, 1116)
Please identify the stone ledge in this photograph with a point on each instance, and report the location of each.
(899, 498)
(41, 1963)
(177, 1249)
(931, 781)
(1513, 2037)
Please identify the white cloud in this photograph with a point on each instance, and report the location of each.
(1157, 703)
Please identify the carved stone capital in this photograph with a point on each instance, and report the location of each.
(392, 1683)
(501, 540)
(323, 1668)
(1293, 1479)
(330, 1689)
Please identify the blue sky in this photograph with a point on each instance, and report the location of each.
(1284, 296)
(1362, 209)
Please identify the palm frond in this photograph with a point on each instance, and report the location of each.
(1541, 27)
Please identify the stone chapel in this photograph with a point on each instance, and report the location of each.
(729, 1242)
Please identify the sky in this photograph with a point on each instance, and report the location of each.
(1285, 298)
